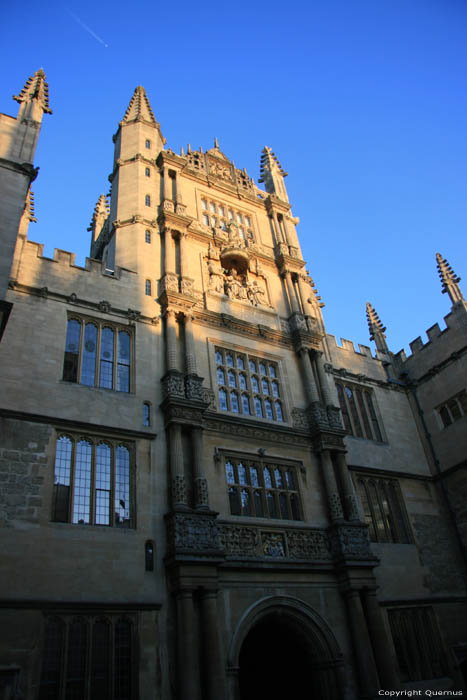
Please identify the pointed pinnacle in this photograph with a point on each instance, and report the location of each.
(35, 88)
(216, 142)
(375, 325)
(139, 107)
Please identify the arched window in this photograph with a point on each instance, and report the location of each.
(147, 200)
(147, 172)
(72, 345)
(147, 236)
(107, 358)
(146, 414)
(147, 288)
(148, 143)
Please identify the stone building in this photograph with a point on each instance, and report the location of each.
(204, 496)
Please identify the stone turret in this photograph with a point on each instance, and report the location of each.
(272, 174)
(449, 281)
(18, 142)
(376, 329)
(135, 182)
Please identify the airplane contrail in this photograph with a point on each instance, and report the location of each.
(88, 29)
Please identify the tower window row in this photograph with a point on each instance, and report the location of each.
(98, 353)
(262, 491)
(218, 215)
(248, 385)
(358, 411)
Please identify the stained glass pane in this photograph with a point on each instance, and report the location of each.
(268, 409)
(254, 384)
(123, 375)
(70, 365)
(229, 473)
(107, 358)
(229, 360)
(254, 476)
(62, 480)
(220, 376)
(242, 474)
(278, 478)
(272, 371)
(219, 359)
(234, 402)
(262, 368)
(258, 408)
(102, 491)
(275, 389)
(88, 369)
(278, 408)
(242, 381)
(82, 483)
(245, 404)
(267, 478)
(265, 386)
(240, 362)
(222, 400)
(252, 366)
(232, 378)
(122, 487)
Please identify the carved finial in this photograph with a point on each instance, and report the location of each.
(140, 108)
(272, 174)
(216, 142)
(188, 150)
(449, 280)
(35, 88)
(29, 206)
(99, 216)
(376, 328)
(182, 152)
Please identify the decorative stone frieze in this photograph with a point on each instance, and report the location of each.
(300, 419)
(194, 387)
(238, 540)
(173, 384)
(351, 542)
(169, 282)
(179, 489)
(192, 533)
(201, 492)
(187, 286)
(308, 544)
(334, 417)
(273, 544)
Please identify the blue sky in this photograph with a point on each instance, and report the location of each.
(363, 101)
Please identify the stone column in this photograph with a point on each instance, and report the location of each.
(171, 340)
(382, 647)
(179, 498)
(213, 646)
(305, 294)
(277, 226)
(169, 260)
(332, 491)
(188, 659)
(364, 658)
(307, 374)
(290, 288)
(183, 256)
(200, 485)
(323, 380)
(190, 355)
(348, 493)
(167, 185)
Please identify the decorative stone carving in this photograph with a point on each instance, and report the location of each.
(317, 415)
(180, 208)
(201, 492)
(216, 278)
(133, 315)
(239, 540)
(285, 328)
(273, 544)
(178, 490)
(187, 286)
(170, 282)
(194, 388)
(281, 249)
(44, 292)
(350, 542)
(220, 169)
(193, 533)
(334, 417)
(312, 324)
(73, 298)
(308, 544)
(297, 322)
(256, 294)
(209, 398)
(104, 306)
(168, 206)
(235, 286)
(173, 384)
(300, 419)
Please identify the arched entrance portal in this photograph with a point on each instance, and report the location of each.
(275, 660)
(281, 648)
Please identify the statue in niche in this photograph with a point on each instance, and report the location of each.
(235, 286)
(256, 294)
(216, 278)
(259, 269)
(212, 252)
(234, 236)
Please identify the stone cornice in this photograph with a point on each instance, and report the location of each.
(131, 315)
(345, 374)
(250, 428)
(76, 425)
(22, 168)
(251, 330)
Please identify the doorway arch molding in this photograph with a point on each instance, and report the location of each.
(324, 642)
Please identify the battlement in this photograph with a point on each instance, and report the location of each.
(349, 346)
(454, 321)
(35, 251)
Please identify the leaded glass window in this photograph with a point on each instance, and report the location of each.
(384, 509)
(92, 482)
(358, 411)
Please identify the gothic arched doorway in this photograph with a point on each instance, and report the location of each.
(281, 647)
